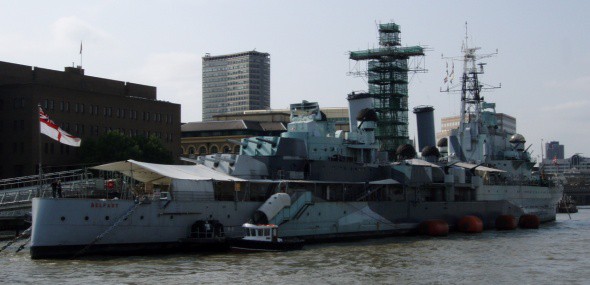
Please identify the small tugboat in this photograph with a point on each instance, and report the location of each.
(263, 238)
(567, 205)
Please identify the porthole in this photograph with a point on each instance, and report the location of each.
(228, 216)
(107, 218)
(141, 218)
(86, 218)
(63, 218)
(171, 217)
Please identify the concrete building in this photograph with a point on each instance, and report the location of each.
(235, 82)
(554, 150)
(84, 106)
(506, 123)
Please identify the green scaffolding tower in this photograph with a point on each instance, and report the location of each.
(387, 72)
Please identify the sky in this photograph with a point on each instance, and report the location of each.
(542, 64)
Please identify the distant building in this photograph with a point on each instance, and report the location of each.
(84, 106)
(505, 122)
(338, 115)
(235, 82)
(208, 137)
(200, 138)
(554, 150)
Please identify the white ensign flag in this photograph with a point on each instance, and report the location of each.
(52, 130)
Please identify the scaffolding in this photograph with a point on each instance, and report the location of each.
(387, 72)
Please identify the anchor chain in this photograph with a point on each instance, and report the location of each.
(25, 232)
(102, 235)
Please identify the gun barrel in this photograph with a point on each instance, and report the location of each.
(267, 141)
(237, 142)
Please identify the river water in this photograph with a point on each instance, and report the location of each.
(557, 253)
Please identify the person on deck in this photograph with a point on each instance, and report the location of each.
(56, 188)
(59, 189)
(53, 188)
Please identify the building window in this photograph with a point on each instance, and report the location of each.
(214, 149)
(202, 150)
(19, 103)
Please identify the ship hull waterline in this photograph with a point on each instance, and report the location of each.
(151, 230)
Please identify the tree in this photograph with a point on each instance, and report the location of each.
(114, 146)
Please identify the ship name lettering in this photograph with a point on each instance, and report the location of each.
(104, 205)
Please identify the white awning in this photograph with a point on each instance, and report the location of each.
(480, 168)
(164, 173)
(384, 182)
(420, 162)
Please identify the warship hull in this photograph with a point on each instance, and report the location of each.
(66, 228)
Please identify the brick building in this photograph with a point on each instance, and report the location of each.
(84, 106)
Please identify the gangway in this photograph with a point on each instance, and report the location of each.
(16, 193)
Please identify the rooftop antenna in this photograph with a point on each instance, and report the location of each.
(80, 54)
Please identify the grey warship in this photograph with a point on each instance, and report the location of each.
(314, 182)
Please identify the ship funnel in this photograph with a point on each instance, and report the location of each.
(425, 123)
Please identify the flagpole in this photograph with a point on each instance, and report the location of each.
(81, 54)
(40, 155)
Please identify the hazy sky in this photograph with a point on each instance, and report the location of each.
(543, 62)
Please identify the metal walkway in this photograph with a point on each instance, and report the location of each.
(16, 193)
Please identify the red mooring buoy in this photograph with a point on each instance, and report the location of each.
(470, 224)
(433, 228)
(529, 221)
(505, 223)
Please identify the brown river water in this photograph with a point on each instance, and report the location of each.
(557, 253)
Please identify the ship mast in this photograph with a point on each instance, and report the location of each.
(470, 87)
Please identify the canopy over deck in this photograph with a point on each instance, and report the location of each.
(164, 173)
(477, 167)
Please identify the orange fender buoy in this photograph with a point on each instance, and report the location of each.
(433, 228)
(529, 221)
(470, 224)
(505, 222)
